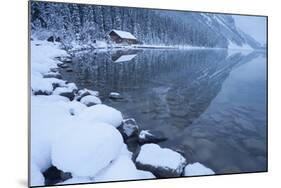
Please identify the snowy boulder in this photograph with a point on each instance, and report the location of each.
(52, 75)
(44, 86)
(102, 113)
(129, 128)
(63, 65)
(197, 169)
(69, 95)
(37, 178)
(148, 136)
(122, 168)
(162, 162)
(75, 107)
(67, 90)
(115, 95)
(65, 59)
(85, 148)
(90, 100)
(85, 92)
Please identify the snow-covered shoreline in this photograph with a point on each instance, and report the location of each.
(72, 130)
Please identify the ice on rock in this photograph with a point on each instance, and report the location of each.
(162, 162)
(197, 169)
(85, 148)
(102, 113)
(122, 168)
(90, 100)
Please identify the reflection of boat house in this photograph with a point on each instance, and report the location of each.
(122, 56)
(119, 36)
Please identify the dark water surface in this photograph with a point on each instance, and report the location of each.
(211, 104)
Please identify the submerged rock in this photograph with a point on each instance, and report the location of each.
(162, 162)
(129, 128)
(148, 136)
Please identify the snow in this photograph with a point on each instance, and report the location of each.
(42, 56)
(234, 46)
(84, 148)
(68, 134)
(36, 178)
(48, 113)
(102, 113)
(125, 58)
(124, 34)
(75, 107)
(75, 180)
(43, 85)
(152, 154)
(90, 99)
(197, 169)
(122, 168)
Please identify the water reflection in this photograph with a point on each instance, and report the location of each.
(206, 101)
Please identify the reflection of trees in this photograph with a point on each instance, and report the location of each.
(192, 79)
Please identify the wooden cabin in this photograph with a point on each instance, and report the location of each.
(118, 37)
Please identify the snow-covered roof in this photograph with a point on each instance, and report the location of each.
(125, 58)
(124, 34)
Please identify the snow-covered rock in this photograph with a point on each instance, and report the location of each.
(149, 136)
(162, 162)
(122, 168)
(68, 90)
(129, 128)
(49, 113)
(197, 169)
(85, 92)
(44, 86)
(115, 95)
(76, 107)
(102, 113)
(37, 178)
(90, 100)
(85, 148)
(52, 75)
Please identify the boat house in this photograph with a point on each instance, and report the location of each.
(125, 37)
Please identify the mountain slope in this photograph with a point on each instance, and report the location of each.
(85, 23)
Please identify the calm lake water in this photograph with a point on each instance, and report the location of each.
(211, 104)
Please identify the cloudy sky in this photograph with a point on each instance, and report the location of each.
(253, 25)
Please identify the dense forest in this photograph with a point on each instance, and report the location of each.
(83, 24)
